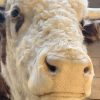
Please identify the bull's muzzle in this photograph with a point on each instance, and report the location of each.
(66, 74)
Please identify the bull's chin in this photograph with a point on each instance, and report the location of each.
(63, 96)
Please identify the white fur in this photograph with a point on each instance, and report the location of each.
(50, 26)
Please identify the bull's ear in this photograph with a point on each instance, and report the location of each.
(80, 7)
(91, 30)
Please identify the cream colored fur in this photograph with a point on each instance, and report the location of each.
(51, 26)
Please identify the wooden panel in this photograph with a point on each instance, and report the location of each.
(94, 53)
(96, 89)
(94, 50)
(94, 3)
(96, 63)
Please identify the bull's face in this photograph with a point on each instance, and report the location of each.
(45, 51)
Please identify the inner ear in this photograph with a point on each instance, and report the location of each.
(91, 30)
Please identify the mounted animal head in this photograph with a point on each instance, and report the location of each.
(46, 55)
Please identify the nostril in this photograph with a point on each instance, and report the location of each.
(51, 68)
(2, 18)
(86, 69)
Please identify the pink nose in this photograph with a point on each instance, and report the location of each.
(73, 69)
(53, 65)
(55, 62)
(69, 72)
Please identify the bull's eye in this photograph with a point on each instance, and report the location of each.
(17, 18)
(15, 12)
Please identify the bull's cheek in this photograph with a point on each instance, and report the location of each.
(39, 82)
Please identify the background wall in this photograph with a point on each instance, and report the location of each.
(94, 52)
(94, 3)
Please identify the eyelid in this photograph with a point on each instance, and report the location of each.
(15, 12)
